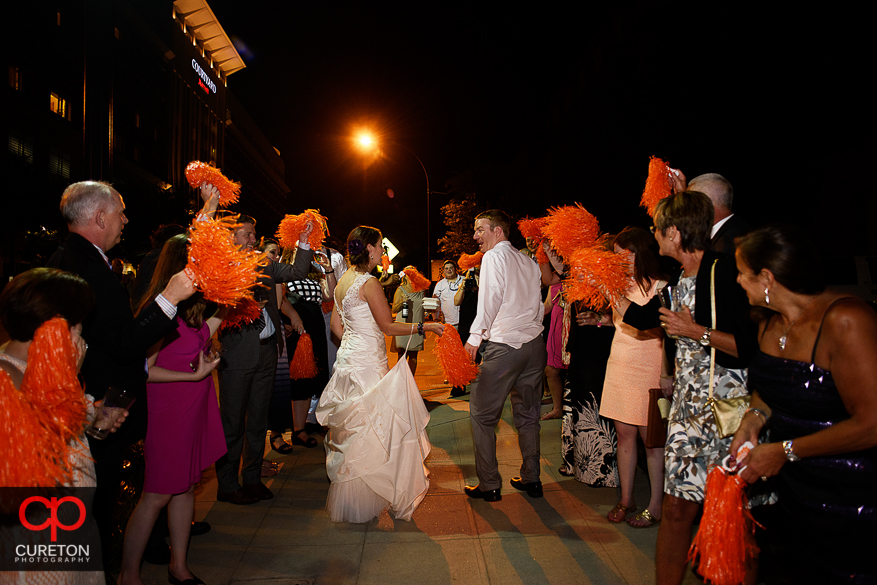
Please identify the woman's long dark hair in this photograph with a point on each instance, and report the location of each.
(174, 257)
(646, 268)
(788, 252)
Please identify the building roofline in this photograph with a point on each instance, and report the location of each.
(197, 17)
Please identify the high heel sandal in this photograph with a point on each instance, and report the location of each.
(284, 449)
(620, 512)
(308, 443)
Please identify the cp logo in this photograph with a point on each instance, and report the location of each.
(53, 522)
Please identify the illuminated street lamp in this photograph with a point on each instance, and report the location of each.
(367, 143)
(365, 140)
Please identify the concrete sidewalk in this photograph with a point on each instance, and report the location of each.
(563, 538)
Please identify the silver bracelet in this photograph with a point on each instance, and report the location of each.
(758, 411)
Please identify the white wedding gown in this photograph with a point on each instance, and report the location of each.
(377, 443)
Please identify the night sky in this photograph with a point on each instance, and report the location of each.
(550, 105)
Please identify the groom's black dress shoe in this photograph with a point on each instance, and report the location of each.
(474, 491)
(533, 489)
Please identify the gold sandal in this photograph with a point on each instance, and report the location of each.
(619, 508)
(644, 515)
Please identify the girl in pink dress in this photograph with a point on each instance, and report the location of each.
(554, 304)
(184, 434)
(635, 366)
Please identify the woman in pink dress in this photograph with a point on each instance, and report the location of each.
(554, 304)
(184, 434)
(635, 365)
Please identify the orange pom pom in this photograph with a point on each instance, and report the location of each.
(418, 281)
(469, 261)
(303, 364)
(45, 415)
(596, 276)
(33, 455)
(327, 306)
(726, 536)
(533, 229)
(658, 185)
(292, 225)
(455, 362)
(198, 172)
(223, 272)
(385, 263)
(50, 381)
(569, 228)
(243, 313)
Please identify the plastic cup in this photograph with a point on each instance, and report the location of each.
(115, 402)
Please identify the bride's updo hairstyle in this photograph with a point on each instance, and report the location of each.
(357, 246)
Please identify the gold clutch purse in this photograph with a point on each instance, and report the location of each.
(728, 414)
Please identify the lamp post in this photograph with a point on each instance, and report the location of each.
(367, 142)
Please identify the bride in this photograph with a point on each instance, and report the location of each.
(377, 440)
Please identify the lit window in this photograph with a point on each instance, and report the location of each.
(59, 163)
(137, 120)
(21, 148)
(59, 106)
(15, 78)
(58, 19)
(117, 33)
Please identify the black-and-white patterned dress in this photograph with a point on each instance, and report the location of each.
(587, 439)
(692, 442)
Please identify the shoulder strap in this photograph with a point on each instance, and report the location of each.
(821, 323)
(766, 325)
(713, 308)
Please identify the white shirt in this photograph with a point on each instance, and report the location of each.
(268, 331)
(718, 225)
(338, 263)
(509, 298)
(445, 291)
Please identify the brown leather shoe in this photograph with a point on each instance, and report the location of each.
(259, 490)
(533, 489)
(475, 491)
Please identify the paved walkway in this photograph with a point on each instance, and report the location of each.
(563, 538)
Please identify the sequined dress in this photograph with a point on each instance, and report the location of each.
(833, 498)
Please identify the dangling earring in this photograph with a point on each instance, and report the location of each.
(766, 296)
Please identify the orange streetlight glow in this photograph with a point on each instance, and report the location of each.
(365, 140)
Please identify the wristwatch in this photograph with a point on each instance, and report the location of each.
(705, 338)
(789, 450)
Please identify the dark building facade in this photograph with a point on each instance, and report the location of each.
(127, 92)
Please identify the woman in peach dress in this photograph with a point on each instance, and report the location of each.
(635, 365)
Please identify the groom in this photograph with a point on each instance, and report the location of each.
(508, 330)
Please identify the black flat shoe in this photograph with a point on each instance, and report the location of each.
(473, 491)
(533, 489)
(284, 449)
(308, 443)
(193, 581)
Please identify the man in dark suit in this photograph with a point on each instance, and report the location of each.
(117, 341)
(726, 225)
(246, 377)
